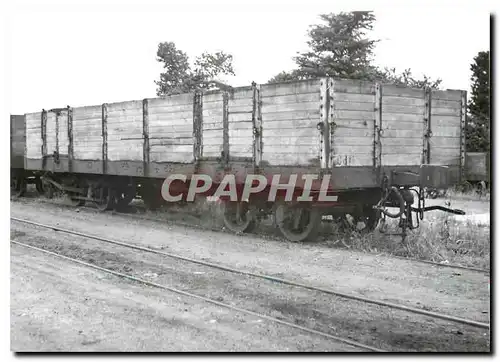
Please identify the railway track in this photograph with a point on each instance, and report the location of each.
(202, 298)
(400, 307)
(218, 229)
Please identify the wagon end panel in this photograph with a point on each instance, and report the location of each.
(290, 113)
(353, 123)
(447, 119)
(403, 123)
(87, 139)
(213, 126)
(62, 134)
(171, 129)
(240, 106)
(17, 140)
(34, 143)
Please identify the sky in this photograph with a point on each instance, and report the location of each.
(93, 52)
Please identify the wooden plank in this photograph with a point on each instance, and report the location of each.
(446, 112)
(168, 109)
(354, 97)
(84, 123)
(353, 137)
(243, 150)
(170, 141)
(400, 148)
(354, 124)
(418, 110)
(241, 133)
(290, 115)
(213, 149)
(450, 95)
(87, 112)
(354, 106)
(290, 88)
(440, 131)
(240, 103)
(402, 159)
(393, 90)
(445, 121)
(208, 127)
(403, 126)
(291, 98)
(240, 92)
(285, 159)
(352, 149)
(356, 115)
(289, 124)
(162, 128)
(401, 117)
(446, 151)
(130, 150)
(354, 86)
(213, 98)
(410, 142)
(310, 132)
(177, 157)
(291, 141)
(445, 160)
(292, 149)
(185, 99)
(88, 154)
(177, 122)
(438, 103)
(346, 160)
(291, 107)
(402, 101)
(213, 134)
(403, 133)
(447, 142)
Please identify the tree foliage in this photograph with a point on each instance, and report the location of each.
(340, 47)
(478, 127)
(179, 77)
(389, 75)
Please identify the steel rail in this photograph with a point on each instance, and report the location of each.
(208, 300)
(200, 227)
(268, 277)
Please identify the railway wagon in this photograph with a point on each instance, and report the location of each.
(377, 145)
(477, 165)
(19, 176)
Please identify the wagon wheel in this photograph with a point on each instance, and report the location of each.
(46, 189)
(18, 186)
(39, 185)
(78, 202)
(370, 219)
(124, 196)
(104, 198)
(298, 223)
(151, 196)
(239, 217)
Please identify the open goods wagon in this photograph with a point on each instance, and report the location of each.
(379, 144)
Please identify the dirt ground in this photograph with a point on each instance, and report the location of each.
(464, 294)
(57, 305)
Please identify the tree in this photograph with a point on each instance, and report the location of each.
(389, 75)
(341, 48)
(338, 48)
(478, 127)
(180, 77)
